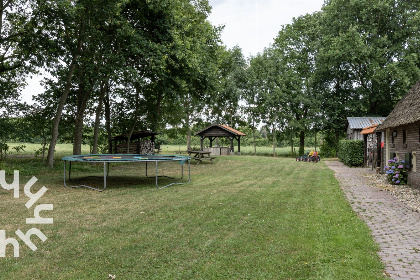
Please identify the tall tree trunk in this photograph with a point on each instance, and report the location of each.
(44, 144)
(291, 143)
(155, 123)
(274, 140)
(136, 115)
(82, 99)
(187, 106)
(301, 143)
(253, 137)
(63, 98)
(253, 140)
(98, 117)
(187, 124)
(108, 120)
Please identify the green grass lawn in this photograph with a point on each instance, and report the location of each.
(242, 217)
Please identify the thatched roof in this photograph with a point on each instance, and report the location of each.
(406, 111)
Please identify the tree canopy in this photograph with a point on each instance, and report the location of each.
(352, 58)
(116, 66)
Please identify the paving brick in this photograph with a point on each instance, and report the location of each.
(395, 227)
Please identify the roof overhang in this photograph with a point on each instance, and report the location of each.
(369, 129)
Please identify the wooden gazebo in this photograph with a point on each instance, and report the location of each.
(219, 130)
(118, 143)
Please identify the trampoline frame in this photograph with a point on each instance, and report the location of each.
(89, 158)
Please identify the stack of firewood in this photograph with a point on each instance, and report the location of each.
(147, 147)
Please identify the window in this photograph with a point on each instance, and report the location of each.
(392, 155)
(408, 161)
(404, 136)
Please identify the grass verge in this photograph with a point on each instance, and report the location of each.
(242, 217)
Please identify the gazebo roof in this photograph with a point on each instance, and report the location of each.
(406, 111)
(214, 128)
(135, 135)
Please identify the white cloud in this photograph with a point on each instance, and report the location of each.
(253, 24)
(250, 24)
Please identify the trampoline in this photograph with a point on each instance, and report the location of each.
(107, 159)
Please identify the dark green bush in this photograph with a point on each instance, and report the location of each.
(329, 146)
(350, 152)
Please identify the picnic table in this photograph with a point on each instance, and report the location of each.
(199, 156)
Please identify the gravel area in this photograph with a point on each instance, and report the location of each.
(406, 194)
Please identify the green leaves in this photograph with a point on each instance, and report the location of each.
(351, 152)
(365, 49)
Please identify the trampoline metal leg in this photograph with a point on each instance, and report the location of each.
(106, 172)
(85, 186)
(182, 175)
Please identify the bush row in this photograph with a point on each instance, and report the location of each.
(350, 152)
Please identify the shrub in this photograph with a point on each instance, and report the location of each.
(301, 151)
(328, 150)
(396, 172)
(350, 152)
(329, 146)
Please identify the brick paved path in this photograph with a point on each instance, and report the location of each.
(395, 227)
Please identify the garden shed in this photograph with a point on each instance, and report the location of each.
(141, 142)
(402, 133)
(372, 146)
(219, 130)
(355, 125)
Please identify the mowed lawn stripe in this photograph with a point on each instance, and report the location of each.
(242, 217)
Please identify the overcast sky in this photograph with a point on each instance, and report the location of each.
(250, 24)
(253, 24)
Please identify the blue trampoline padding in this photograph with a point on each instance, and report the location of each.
(125, 158)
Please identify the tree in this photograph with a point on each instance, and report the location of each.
(19, 52)
(266, 90)
(367, 58)
(225, 101)
(76, 24)
(367, 50)
(297, 45)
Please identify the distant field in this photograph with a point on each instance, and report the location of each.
(67, 149)
(61, 149)
(245, 150)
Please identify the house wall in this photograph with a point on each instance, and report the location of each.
(354, 134)
(413, 146)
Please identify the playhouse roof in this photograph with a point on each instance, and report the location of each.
(362, 122)
(369, 129)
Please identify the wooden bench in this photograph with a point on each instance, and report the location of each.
(202, 158)
(200, 155)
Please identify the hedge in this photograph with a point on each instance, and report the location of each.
(350, 152)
